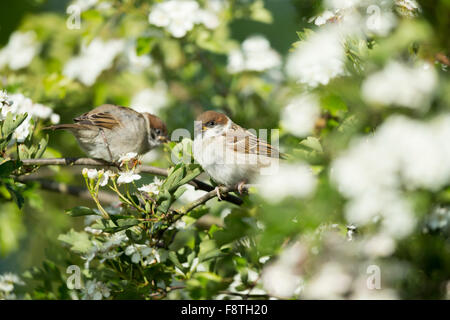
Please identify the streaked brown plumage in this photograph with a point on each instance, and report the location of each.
(230, 154)
(109, 131)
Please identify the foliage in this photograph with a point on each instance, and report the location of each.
(362, 111)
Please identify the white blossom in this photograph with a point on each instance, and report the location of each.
(151, 100)
(190, 194)
(318, 59)
(282, 278)
(152, 187)
(90, 173)
(254, 55)
(136, 63)
(407, 8)
(401, 85)
(95, 290)
(128, 157)
(341, 4)
(180, 16)
(22, 47)
(295, 180)
(23, 131)
(93, 59)
(84, 5)
(7, 282)
(19, 104)
(127, 177)
(331, 282)
(138, 252)
(380, 245)
(403, 154)
(104, 177)
(4, 98)
(323, 18)
(300, 115)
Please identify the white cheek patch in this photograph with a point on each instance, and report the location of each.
(214, 132)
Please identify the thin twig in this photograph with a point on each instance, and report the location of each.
(142, 168)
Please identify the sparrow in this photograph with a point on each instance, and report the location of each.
(230, 154)
(109, 131)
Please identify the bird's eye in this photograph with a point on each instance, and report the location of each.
(158, 131)
(210, 123)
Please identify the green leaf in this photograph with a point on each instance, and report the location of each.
(77, 241)
(312, 143)
(10, 124)
(144, 45)
(7, 167)
(122, 225)
(81, 211)
(15, 190)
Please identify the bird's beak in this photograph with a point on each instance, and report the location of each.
(162, 139)
(204, 128)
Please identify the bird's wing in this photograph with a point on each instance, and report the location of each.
(101, 117)
(243, 141)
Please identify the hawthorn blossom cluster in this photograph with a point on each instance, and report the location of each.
(300, 115)
(276, 187)
(318, 59)
(20, 50)
(17, 104)
(255, 54)
(403, 154)
(151, 99)
(7, 283)
(401, 85)
(180, 16)
(93, 59)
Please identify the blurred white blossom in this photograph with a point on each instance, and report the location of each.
(282, 278)
(84, 5)
(300, 115)
(407, 8)
(379, 245)
(4, 99)
(17, 104)
(93, 59)
(330, 282)
(317, 59)
(341, 4)
(151, 99)
(254, 55)
(296, 180)
(403, 154)
(180, 16)
(190, 194)
(22, 47)
(7, 283)
(136, 63)
(401, 85)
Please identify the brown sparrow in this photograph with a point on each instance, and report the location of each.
(230, 154)
(109, 131)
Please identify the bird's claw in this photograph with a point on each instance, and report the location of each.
(217, 189)
(241, 187)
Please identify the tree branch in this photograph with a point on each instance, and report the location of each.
(142, 168)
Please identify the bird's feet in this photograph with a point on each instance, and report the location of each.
(219, 195)
(241, 187)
